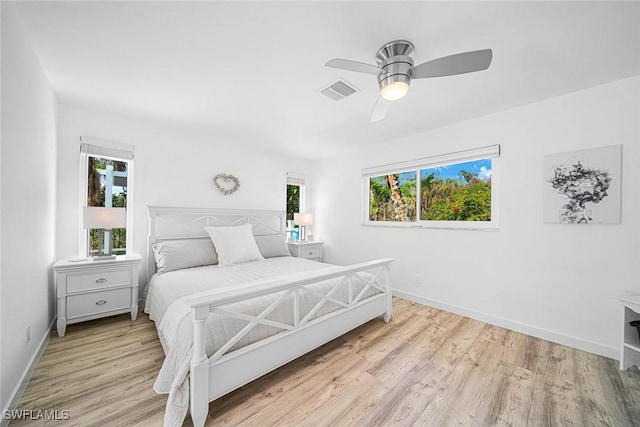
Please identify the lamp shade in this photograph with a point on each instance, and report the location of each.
(303, 219)
(394, 87)
(105, 218)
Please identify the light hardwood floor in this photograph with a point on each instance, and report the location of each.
(426, 368)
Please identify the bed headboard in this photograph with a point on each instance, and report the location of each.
(179, 223)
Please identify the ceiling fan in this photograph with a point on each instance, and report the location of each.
(395, 70)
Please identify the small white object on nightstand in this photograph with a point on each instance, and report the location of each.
(308, 249)
(90, 289)
(630, 349)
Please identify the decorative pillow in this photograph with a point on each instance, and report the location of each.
(178, 254)
(235, 244)
(273, 246)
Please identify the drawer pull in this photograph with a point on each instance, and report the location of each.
(101, 302)
(101, 280)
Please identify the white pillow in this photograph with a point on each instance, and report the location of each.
(235, 245)
(178, 254)
(273, 246)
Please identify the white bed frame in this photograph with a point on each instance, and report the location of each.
(223, 372)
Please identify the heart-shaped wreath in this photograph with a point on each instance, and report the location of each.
(226, 183)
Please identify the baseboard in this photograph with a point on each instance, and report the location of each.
(556, 337)
(26, 375)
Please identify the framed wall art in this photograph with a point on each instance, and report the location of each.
(583, 187)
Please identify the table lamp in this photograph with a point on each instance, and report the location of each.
(303, 220)
(105, 219)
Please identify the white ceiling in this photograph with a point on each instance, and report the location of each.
(252, 71)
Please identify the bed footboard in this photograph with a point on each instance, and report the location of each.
(212, 377)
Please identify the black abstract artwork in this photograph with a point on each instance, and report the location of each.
(581, 185)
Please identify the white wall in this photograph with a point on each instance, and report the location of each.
(554, 281)
(28, 175)
(174, 166)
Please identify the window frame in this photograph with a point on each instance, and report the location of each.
(93, 147)
(489, 152)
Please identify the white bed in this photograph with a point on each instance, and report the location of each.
(223, 327)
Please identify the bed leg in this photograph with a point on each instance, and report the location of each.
(199, 375)
(199, 402)
(388, 315)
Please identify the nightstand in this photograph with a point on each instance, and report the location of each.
(308, 249)
(90, 289)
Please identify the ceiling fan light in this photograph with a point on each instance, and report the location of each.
(394, 91)
(394, 87)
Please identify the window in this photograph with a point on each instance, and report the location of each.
(392, 197)
(455, 190)
(295, 195)
(106, 174)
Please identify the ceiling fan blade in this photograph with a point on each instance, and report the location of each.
(380, 109)
(460, 63)
(359, 67)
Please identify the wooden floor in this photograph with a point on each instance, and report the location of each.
(426, 368)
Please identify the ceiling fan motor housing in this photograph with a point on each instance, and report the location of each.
(394, 59)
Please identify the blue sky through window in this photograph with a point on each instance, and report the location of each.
(480, 168)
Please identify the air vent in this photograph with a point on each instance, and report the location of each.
(339, 89)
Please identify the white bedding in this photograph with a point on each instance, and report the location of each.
(166, 304)
(164, 289)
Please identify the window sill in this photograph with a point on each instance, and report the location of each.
(444, 225)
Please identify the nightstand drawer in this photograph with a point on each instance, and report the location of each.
(311, 253)
(98, 279)
(98, 302)
(310, 249)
